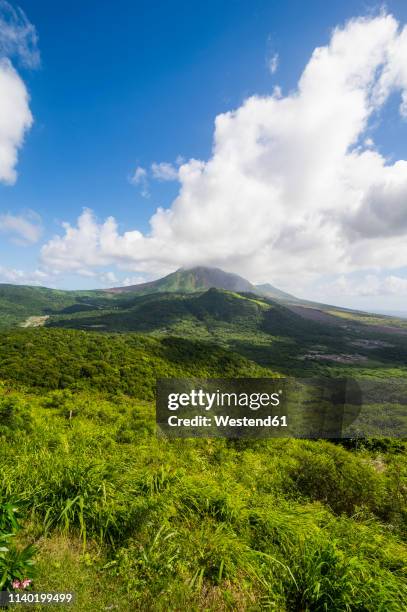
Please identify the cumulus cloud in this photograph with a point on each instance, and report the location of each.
(383, 208)
(138, 175)
(24, 229)
(294, 186)
(15, 119)
(17, 39)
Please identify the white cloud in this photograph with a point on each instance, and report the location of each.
(19, 277)
(15, 119)
(108, 279)
(273, 63)
(164, 171)
(24, 229)
(139, 177)
(292, 188)
(128, 281)
(368, 285)
(17, 38)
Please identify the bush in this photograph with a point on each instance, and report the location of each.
(16, 565)
(15, 415)
(334, 476)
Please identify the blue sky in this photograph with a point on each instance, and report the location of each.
(124, 85)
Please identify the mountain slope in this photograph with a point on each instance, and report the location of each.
(199, 278)
(258, 328)
(169, 312)
(20, 302)
(188, 280)
(274, 293)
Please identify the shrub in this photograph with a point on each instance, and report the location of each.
(16, 565)
(15, 415)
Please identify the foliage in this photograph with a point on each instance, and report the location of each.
(207, 524)
(15, 415)
(16, 563)
(60, 359)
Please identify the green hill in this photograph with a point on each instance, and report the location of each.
(34, 306)
(293, 338)
(260, 329)
(188, 280)
(19, 302)
(272, 292)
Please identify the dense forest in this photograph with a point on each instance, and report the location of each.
(114, 363)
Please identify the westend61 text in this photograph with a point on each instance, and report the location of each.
(226, 421)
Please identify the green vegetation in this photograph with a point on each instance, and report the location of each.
(189, 280)
(369, 319)
(18, 303)
(15, 564)
(257, 328)
(60, 359)
(132, 521)
(127, 519)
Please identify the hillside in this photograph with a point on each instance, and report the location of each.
(199, 278)
(272, 292)
(138, 522)
(132, 522)
(19, 302)
(262, 330)
(292, 338)
(113, 363)
(187, 280)
(35, 306)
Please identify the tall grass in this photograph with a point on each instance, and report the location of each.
(206, 524)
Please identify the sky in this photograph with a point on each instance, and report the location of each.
(265, 138)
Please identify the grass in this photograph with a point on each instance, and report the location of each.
(132, 521)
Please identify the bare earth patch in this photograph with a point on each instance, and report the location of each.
(35, 321)
(371, 344)
(349, 320)
(340, 358)
(313, 314)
